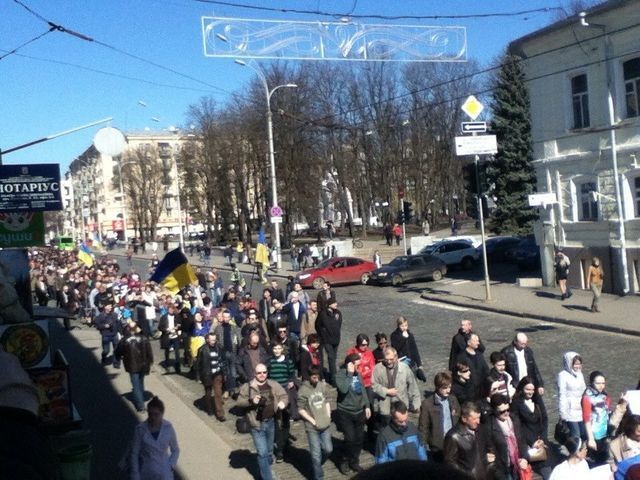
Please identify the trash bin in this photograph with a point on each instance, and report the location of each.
(75, 462)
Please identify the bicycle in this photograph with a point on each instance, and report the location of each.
(357, 243)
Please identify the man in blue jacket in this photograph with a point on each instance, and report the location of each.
(400, 439)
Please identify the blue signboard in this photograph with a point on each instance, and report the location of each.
(32, 188)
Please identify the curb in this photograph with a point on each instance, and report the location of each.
(217, 267)
(536, 316)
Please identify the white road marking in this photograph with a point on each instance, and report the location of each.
(446, 306)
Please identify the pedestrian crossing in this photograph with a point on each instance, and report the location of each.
(452, 281)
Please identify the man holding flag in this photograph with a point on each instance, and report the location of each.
(262, 256)
(174, 271)
(84, 255)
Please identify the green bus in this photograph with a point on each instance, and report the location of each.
(64, 243)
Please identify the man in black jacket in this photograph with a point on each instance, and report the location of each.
(210, 370)
(135, 350)
(459, 342)
(329, 325)
(108, 325)
(521, 362)
(465, 445)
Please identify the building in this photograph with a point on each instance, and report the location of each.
(583, 76)
(98, 207)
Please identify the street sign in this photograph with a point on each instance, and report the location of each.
(276, 219)
(276, 211)
(474, 127)
(542, 199)
(33, 188)
(476, 145)
(472, 107)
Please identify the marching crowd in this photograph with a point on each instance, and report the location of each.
(277, 357)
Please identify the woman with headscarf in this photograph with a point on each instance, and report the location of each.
(571, 386)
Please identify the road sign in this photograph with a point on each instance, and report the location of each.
(34, 187)
(276, 219)
(472, 107)
(276, 211)
(474, 127)
(476, 145)
(542, 199)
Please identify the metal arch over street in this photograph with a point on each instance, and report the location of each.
(295, 40)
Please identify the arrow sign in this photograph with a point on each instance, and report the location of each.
(474, 127)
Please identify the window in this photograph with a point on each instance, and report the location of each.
(353, 262)
(588, 203)
(580, 101)
(636, 195)
(416, 262)
(631, 70)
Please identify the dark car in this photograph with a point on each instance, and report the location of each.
(497, 247)
(526, 254)
(407, 268)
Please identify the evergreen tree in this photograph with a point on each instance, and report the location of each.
(512, 174)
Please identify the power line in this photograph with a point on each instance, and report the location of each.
(11, 52)
(350, 14)
(110, 74)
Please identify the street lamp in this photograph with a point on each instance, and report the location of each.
(272, 162)
(122, 199)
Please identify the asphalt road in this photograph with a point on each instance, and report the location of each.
(369, 309)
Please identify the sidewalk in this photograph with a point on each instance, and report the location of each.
(100, 393)
(543, 303)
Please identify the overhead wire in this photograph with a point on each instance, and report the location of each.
(14, 50)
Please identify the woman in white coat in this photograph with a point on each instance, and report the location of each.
(155, 451)
(571, 386)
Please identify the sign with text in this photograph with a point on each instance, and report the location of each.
(21, 229)
(474, 127)
(34, 188)
(476, 145)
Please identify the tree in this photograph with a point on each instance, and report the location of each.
(512, 173)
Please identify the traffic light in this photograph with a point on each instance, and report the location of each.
(408, 211)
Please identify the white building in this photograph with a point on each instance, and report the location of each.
(572, 67)
(97, 206)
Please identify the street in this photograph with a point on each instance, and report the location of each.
(369, 309)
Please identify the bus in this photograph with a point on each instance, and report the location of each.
(64, 243)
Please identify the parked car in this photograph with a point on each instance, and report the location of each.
(498, 246)
(453, 252)
(337, 270)
(526, 254)
(407, 268)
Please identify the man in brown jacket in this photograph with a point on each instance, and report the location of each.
(438, 414)
(309, 321)
(263, 399)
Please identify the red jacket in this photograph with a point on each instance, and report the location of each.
(367, 363)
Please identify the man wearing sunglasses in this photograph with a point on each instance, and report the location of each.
(263, 399)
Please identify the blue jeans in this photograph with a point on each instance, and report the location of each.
(230, 374)
(577, 430)
(263, 439)
(137, 382)
(295, 265)
(319, 444)
(107, 342)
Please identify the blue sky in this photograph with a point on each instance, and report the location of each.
(43, 93)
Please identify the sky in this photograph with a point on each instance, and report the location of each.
(60, 81)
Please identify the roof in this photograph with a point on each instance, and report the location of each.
(604, 7)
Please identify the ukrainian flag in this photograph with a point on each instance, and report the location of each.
(262, 252)
(84, 255)
(174, 271)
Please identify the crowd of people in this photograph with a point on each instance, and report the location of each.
(277, 357)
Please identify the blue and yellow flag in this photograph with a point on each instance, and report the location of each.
(174, 271)
(262, 252)
(84, 255)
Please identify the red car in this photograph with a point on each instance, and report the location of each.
(337, 270)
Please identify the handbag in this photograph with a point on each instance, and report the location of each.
(538, 454)
(243, 425)
(526, 474)
(561, 432)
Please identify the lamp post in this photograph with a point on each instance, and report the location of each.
(122, 199)
(272, 162)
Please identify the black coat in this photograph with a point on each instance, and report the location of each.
(498, 445)
(135, 350)
(532, 367)
(329, 325)
(163, 326)
(465, 451)
(204, 365)
(406, 346)
(458, 344)
(534, 425)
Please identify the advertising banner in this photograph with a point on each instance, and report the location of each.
(34, 188)
(21, 229)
